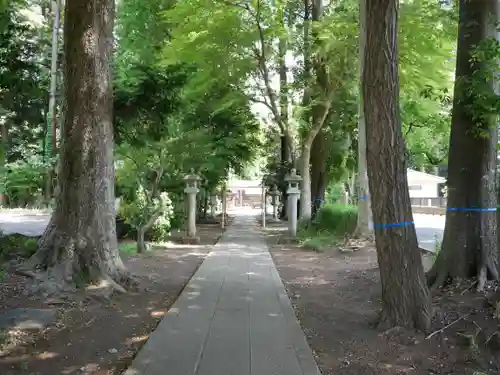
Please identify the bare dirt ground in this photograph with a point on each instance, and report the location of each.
(90, 337)
(336, 297)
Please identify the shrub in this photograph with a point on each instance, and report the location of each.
(24, 182)
(338, 219)
(138, 212)
(333, 193)
(15, 245)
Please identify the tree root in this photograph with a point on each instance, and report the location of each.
(64, 264)
(440, 276)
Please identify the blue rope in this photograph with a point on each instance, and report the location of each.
(403, 224)
(472, 209)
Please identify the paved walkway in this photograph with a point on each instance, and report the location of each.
(233, 318)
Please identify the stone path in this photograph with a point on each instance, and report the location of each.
(233, 318)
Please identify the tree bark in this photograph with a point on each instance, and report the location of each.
(4, 146)
(286, 141)
(141, 233)
(364, 208)
(405, 297)
(52, 112)
(318, 171)
(286, 161)
(470, 246)
(320, 92)
(80, 241)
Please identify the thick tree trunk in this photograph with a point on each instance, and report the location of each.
(286, 160)
(81, 238)
(364, 208)
(318, 171)
(305, 212)
(4, 146)
(286, 144)
(469, 244)
(320, 92)
(405, 297)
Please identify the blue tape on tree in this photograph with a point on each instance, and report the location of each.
(364, 198)
(403, 224)
(471, 209)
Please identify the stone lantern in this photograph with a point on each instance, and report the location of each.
(192, 182)
(293, 192)
(275, 194)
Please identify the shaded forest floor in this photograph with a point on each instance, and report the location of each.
(91, 337)
(336, 297)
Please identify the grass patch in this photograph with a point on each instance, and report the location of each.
(332, 223)
(316, 240)
(338, 219)
(127, 249)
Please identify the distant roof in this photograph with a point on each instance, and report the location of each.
(414, 175)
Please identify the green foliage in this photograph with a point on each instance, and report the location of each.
(476, 91)
(332, 223)
(338, 219)
(127, 249)
(24, 181)
(317, 240)
(139, 211)
(427, 41)
(14, 246)
(145, 99)
(23, 83)
(162, 133)
(333, 192)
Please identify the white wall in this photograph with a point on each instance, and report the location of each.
(429, 189)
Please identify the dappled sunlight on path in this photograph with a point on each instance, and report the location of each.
(234, 317)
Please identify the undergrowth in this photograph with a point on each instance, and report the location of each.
(16, 246)
(332, 223)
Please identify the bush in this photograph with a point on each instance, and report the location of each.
(137, 212)
(15, 245)
(338, 219)
(24, 182)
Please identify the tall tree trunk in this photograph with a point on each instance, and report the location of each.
(364, 208)
(319, 92)
(51, 134)
(305, 209)
(405, 297)
(286, 141)
(305, 212)
(56, 10)
(469, 243)
(4, 146)
(318, 170)
(80, 240)
(286, 162)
